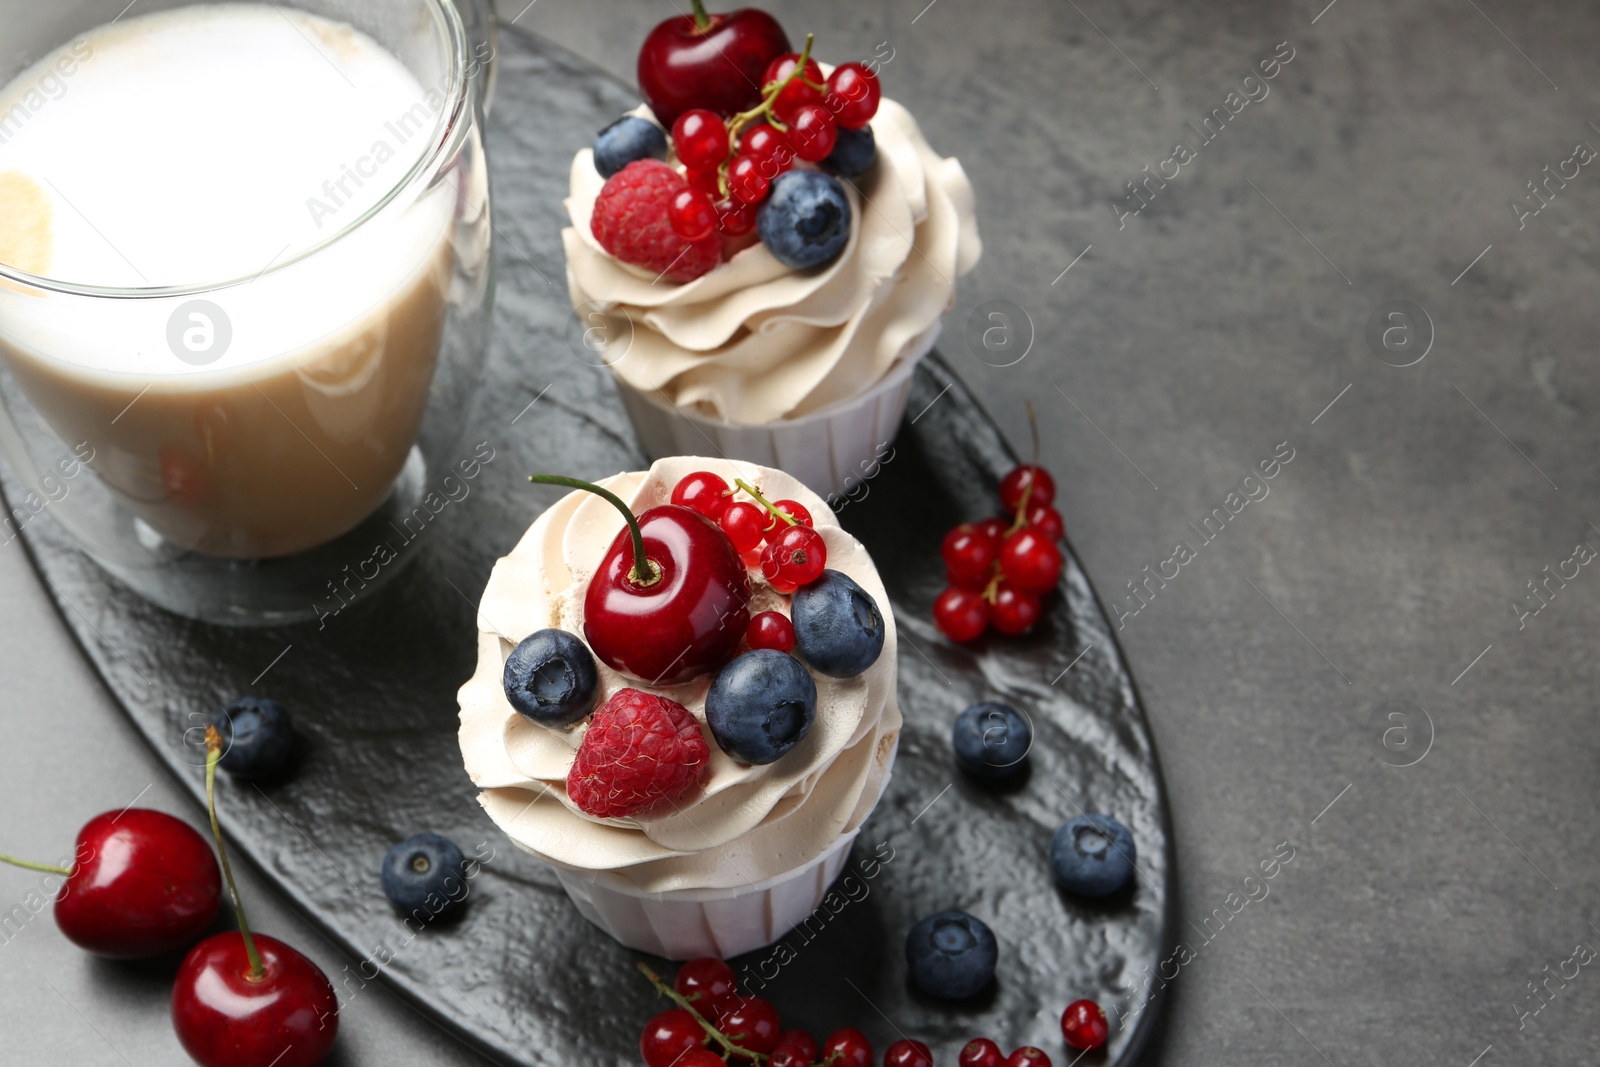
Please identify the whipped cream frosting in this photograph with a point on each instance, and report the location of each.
(753, 341)
(746, 824)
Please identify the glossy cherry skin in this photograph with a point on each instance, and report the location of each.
(143, 883)
(287, 1018)
(687, 622)
(682, 66)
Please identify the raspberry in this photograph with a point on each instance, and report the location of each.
(641, 750)
(630, 221)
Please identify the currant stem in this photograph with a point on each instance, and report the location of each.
(29, 865)
(729, 1048)
(213, 756)
(702, 21)
(768, 96)
(1022, 506)
(645, 571)
(764, 502)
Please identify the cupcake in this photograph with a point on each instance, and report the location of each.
(695, 795)
(786, 333)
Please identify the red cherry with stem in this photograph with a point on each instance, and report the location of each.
(907, 1053)
(800, 1041)
(961, 614)
(735, 218)
(692, 215)
(981, 1052)
(704, 981)
(969, 556)
(797, 92)
(1014, 484)
(745, 524)
(1046, 520)
(770, 629)
(1083, 1025)
(1031, 561)
(1027, 1056)
(668, 1036)
(670, 598)
(1015, 611)
(750, 1022)
(704, 492)
(701, 138)
(710, 61)
(765, 141)
(794, 557)
(851, 1046)
(795, 510)
(244, 1000)
(853, 95)
(813, 132)
(747, 181)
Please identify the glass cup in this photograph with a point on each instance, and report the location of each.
(310, 425)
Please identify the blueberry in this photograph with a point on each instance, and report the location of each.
(257, 737)
(991, 740)
(1092, 856)
(761, 705)
(628, 139)
(425, 875)
(951, 954)
(550, 677)
(853, 153)
(806, 219)
(837, 625)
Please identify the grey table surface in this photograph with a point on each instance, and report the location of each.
(1353, 665)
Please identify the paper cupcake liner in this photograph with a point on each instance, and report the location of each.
(832, 451)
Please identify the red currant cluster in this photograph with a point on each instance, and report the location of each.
(999, 569)
(778, 535)
(730, 164)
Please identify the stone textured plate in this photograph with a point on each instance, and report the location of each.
(520, 974)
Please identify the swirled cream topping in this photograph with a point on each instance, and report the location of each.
(747, 824)
(753, 341)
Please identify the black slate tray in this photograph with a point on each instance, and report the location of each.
(520, 975)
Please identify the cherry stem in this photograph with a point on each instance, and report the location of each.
(645, 571)
(702, 21)
(213, 757)
(729, 1048)
(764, 502)
(29, 865)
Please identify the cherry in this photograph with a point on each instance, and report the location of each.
(711, 61)
(851, 1046)
(744, 523)
(969, 556)
(750, 1022)
(1083, 1025)
(813, 132)
(853, 94)
(797, 556)
(804, 1045)
(1021, 477)
(670, 598)
(668, 1036)
(241, 1000)
(797, 92)
(961, 614)
(792, 508)
(1015, 610)
(704, 981)
(735, 218)
(1031, 561)
(704, 492)
(1046, 520)
(908, 1053)
(701, 138)
(692, 215)
(746, 179)
(1027, 1056)
(770, 629)
(981, 1052)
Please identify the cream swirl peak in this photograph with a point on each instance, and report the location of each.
(754, 342)
(748, 824)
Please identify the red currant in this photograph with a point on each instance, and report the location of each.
(792, 508)
(813, 132)
(1046, 520)
(765, 141)
(981, 1052)
(961, 614)
(995, 530)
(855, 89)
(795, 556)
(770, 629)
(705, 181)
(788, 1056)
(668, 1036)
(968, 556)
(852, 1046)
(800, 1041)
(907, 1053)
(735, 217)
(1015, 611)
(1030, 561)
(796, 92)
(744, 524)
(750, 1022)
(704, 492)
(746, 180)
(701, 1057)
(1027, 1056)
(1013, 484)
(704, 981)
(692, 216)
(701, 138)
(1083, 1025)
